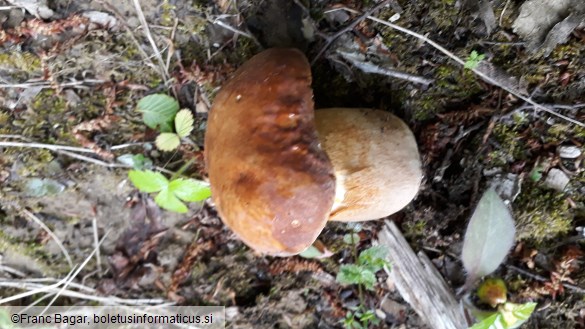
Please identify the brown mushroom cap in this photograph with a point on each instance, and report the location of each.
(271, 182)
(375, 158)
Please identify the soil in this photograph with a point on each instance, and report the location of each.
(73, 76)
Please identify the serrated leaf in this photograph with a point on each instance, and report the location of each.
(148, 181)
(355, 274)
(167, 141)
(368, 279)
(184, 123)
(349, 274)
(167, 200)
(190, 190)
(489, 236)
(158, 110)
(373, 258)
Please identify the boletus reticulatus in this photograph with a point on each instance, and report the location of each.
(280, 170)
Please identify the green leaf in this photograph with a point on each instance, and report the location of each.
(158, 110)
(473, 60)
(148, 181)
(167, 141)
(494, 321)
(184, 123)
(368, 279)
(5, 322)
(190, 190)
(167, 200)
(489, 236)
(351, 238)
(374, 258)
(349, 274)
(516, 314)
(38, 187)
(355, 274)
(137, 161)
(311, 252)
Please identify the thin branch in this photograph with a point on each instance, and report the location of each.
(51, 147)
(43, 84)
(367, 67)
(230, 28)
(66, 150)
(479, 73)
(543, 279)
(59, 243)
(348, 28)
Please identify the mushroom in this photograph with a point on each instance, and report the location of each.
(278, 171)
(271, 182)
(375, 159)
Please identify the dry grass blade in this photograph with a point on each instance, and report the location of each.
(81, 267)
(32, 289)
(36, 288)
(63, 288)
(146, 29)
(69, 151)
(59, 243)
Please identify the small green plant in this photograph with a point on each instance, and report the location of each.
(488, 239)
(162, 112)
(360, 319)
(362, 274)
(473, 60)
(171, 194)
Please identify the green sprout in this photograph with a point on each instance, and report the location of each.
(473, 60)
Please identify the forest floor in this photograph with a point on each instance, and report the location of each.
(72, 73)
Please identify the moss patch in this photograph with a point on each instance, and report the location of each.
(542, 214)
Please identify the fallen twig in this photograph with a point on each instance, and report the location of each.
(460, 61)
(541, 278)
(348, 28)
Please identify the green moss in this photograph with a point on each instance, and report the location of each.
(31, 250)
(167, 10)
(511, 147)
(415, 229)
(19, 60)
(542, 214)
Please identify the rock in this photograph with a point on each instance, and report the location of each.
(569, 152)
(557, 180)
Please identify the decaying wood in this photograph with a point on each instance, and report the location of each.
(420, 284)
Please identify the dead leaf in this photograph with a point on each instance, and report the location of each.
(546, 23)
(38, 8)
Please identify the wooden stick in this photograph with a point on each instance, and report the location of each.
(420, 284)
